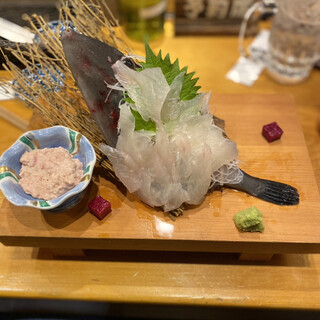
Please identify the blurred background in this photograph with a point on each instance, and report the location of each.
(190, 16)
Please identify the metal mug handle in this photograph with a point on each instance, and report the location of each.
(263, 7)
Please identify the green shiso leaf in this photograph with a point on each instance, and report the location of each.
(141, 124)
(126, 98)
(170, 71)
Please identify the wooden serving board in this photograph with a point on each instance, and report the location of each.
(133, 225)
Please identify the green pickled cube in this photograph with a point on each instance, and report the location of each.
(249, 220)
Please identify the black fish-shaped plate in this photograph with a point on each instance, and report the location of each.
(91, 63)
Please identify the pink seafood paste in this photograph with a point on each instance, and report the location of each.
(48, 173)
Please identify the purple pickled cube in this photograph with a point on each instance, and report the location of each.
(272, 131)
(99, 207)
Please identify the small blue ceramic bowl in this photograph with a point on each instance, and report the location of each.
(57, 136)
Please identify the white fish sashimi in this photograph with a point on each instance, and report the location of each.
(175, 164)
(148, 88)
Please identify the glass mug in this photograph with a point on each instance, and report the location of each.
(143, 20)
(294, 43)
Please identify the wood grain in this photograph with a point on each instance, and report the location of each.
(209, 226)
(195, 279)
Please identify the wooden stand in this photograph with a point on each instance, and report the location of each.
(208, 227)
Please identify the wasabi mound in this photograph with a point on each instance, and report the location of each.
(249, 220)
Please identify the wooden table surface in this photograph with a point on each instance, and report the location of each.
(286, 281)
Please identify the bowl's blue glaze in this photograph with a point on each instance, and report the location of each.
(57, 136)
